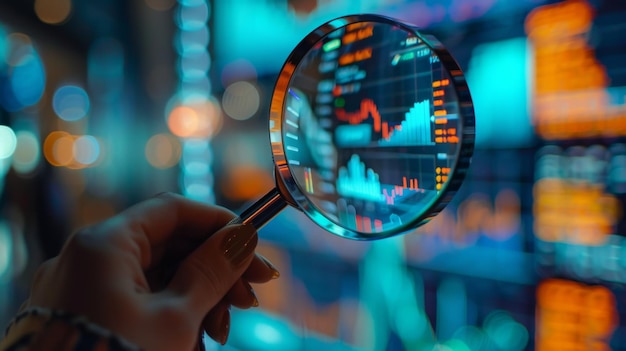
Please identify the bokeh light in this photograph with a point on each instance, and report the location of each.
(8, 142)
(70, 102)
(196, 168)
(241, 100)
(183, 121)
(194, 94)
(191, 41)
(28, 79)
(505, 332)
(197, 150)
(193, 16)
(73, 151)
(48, 146)
(194, 65)
(27, 154)
(238, 70)
(26, 75)
(198, 118)
(160, 5)
(163, 151)
(63, 150)
(86, 150)
(53, 11)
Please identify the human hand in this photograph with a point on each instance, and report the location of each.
(151, 275)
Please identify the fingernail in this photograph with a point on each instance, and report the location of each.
(275, 272)
(255, 300)
(239, 244)
(225, 327)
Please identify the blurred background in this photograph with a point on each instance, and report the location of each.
(104, 103)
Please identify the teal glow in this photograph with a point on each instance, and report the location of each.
(332, 45)
(196, 168)
(266, 333)
(255, 330)
(194, 66)
(4, 48)
(505, 332)
(198, 191)
(8, 142)
(498, 78)
(239, 28)
(192, 17)
(472, 336)
(455, 345)
(70, 103)
(187, 42)
(451, 307)
(6, 251)
(27, 80)
(191, 2)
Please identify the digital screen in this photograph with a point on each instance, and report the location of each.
(370, 126)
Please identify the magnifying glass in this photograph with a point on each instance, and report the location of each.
(371, 127)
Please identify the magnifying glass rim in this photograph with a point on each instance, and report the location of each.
(297, 196)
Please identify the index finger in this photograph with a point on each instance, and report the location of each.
(165, 213)
(155, 220)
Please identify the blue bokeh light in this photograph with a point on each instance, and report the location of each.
(25, 82)
(192, 41)
(71, 102)
(193, 17)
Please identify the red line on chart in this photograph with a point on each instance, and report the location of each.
(368, 107)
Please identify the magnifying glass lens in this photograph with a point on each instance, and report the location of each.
(368, 127)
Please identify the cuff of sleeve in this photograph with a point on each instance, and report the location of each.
(44, 329)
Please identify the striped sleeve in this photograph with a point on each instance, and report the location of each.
(42, 329)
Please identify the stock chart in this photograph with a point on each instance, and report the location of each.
(371, 129)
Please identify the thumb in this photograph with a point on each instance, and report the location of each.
(205, 276)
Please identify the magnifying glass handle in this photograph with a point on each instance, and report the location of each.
(263, 210)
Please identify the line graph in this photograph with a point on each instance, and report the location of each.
(414, 129)
(367, 108)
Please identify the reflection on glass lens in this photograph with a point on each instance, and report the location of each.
(370, 127)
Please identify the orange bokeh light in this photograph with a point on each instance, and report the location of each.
(183, 121)
(196, 119)
(63, 150)
(59, 149)
(49, 146)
